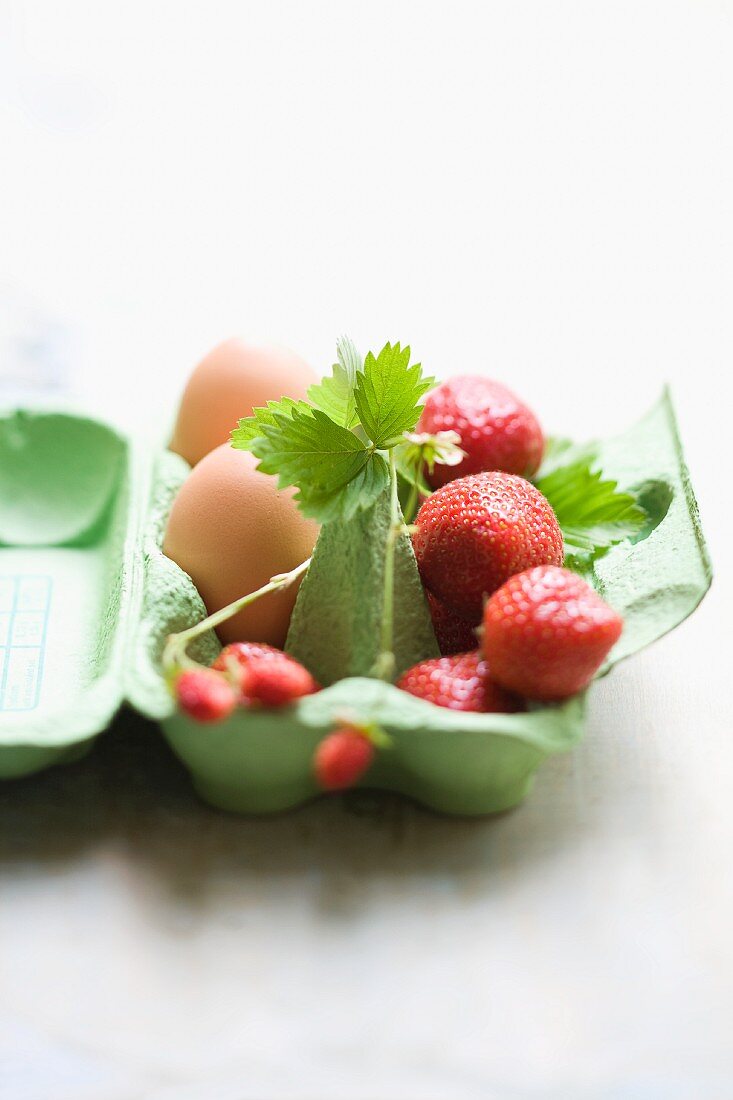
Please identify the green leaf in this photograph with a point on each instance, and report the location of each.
(593, 513)
(312, 447)
(308, 449)
(561, 452)
(388, 393)
(250, 427)
(343, 503)
(334, 395)
(304, 447)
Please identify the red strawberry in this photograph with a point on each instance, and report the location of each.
(277, 682)
(461, 682)
(205, 695)
(475, 533)
(546, 632)
(497, 430)
(342, 758)
(240, 653)
(265, 674)
(454, 634)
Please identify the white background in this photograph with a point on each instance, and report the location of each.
(540, 191)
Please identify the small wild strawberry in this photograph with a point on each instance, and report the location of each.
(342, 758)
(265, 675)
(205, 695)
(239, 653)
(276, 683)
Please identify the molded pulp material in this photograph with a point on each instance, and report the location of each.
(70, 494)
(336, 623)
(659, 579)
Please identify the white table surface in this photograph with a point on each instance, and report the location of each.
(541, 191)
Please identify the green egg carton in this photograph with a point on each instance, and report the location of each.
(87, 599)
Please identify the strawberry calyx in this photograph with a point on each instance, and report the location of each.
(373, 732)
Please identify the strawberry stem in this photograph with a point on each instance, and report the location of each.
(385, 664)
(174, 655)
(411, 506)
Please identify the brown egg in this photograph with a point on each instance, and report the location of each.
(234, 378)
(231, 529)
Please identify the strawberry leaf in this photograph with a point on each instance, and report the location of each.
(307, 448)
(335, 473)
(344, 502)
(388, 393)
(251, 426)
(301, 445)
(311, 446)
(593, 513)
(561, 452)
(334, 395)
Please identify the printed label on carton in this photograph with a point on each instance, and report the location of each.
(24, 607)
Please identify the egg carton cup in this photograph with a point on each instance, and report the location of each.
(87, 599)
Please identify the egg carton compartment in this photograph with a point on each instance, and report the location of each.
(70, 500)
(92, 522)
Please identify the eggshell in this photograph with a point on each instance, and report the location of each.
(234, 378)
(231, 529)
